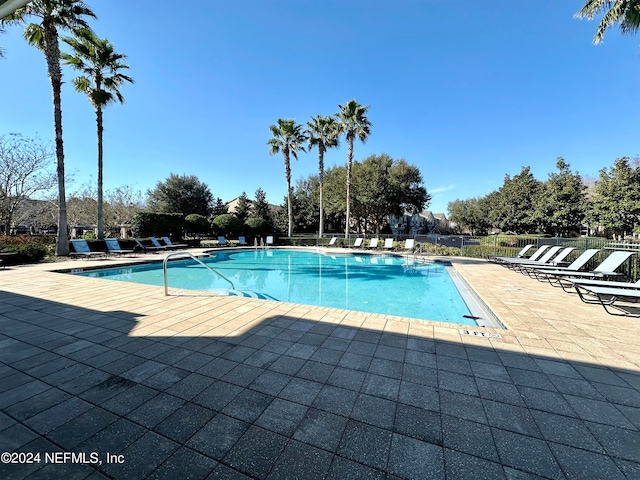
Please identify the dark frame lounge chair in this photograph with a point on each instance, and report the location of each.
(113, 246)
(82, 250)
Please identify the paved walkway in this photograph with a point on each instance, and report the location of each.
(192, 386)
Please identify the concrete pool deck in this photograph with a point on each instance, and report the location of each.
(196, 386)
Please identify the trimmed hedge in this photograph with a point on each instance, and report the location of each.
(23, 253)
(150, 224)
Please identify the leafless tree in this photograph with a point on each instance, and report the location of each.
(26, 170)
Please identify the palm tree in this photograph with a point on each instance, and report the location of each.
(54, 15)
(624, 12)
(287, 138)
(101, 67)
(354, 123)
(323, 132)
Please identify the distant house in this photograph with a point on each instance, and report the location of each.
(425, 222)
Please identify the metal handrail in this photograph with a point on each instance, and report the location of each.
(164, 269)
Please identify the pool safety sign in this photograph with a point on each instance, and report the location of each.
(475, 333)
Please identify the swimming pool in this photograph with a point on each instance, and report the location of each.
(391, 285)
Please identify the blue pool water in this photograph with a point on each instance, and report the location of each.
(367, 283)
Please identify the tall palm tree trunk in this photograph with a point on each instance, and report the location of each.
(100, 206)
(287, 168)
(349, 165)
(52, 55)
(321, 178)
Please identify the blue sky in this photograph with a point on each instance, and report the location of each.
(468, 91)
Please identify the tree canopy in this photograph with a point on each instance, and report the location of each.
(180, 194)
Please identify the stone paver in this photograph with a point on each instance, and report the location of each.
(197, 386)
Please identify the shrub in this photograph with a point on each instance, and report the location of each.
(197, 224)
(24, 253)
(257, 226)
(227, 224)
(147, 224)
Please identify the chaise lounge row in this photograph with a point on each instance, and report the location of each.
(82, 250)
(603, 285)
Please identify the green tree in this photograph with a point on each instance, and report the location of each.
(305, 201)
(562, 203)
(384, 186)
(180, 194)
(219, 208)
(197, 225)
(100, 80)
(261, 208)
(54, 15)
(623, 12)
(324, 133)
(616, 202)
(227, 224)
(243, 208)
(354, 123)
(515, 209)
(288, 139)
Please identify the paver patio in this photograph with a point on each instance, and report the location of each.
(198, 386)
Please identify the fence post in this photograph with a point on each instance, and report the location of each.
(495, 245)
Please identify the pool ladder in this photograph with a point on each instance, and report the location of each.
(175, 254)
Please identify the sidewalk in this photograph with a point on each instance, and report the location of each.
(194, 386)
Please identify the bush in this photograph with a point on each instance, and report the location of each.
(227, 224)
(148, 224)
(24, 253)
(197, 224)
(257, 226)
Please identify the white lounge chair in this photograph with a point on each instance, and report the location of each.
(534, 256)
(520, 254)
(269, 240)
(409, 244)
(388, 243)
(332, 242)
(373, 243)
(606, 270)
(624, 300)
(542, 273)
(358, 242)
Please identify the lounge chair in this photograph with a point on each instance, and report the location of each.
(547, 261)
(82, 250)
(269, 240)
(585, 285)
(332, 242)
(242, 241)
(113, 246)
(358, 242)
(534, 256)
(409, 244)
(606, 270)
(520, 254)
(222, 241)
(157, 244)
(541, 253)
(148, 248)
(168, 243)
(541, 273)
(373, 243)
(388, 243)
(612, 299)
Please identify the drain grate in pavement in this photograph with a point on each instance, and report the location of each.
(475, 333)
